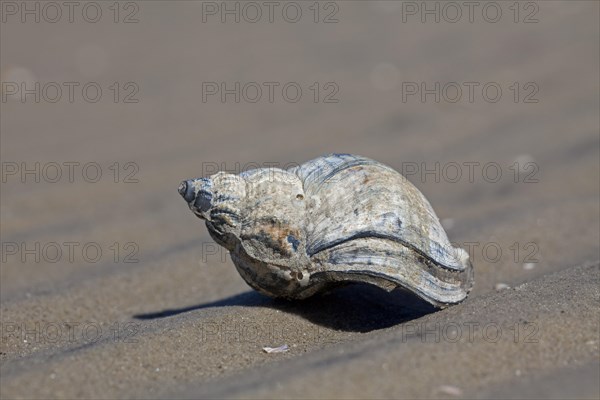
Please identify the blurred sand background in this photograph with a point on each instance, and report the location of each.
(180, 321)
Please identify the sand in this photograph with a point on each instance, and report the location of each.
(162, 312)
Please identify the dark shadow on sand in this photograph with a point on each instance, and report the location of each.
(355, 308)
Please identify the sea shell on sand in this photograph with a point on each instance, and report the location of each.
(336, 219)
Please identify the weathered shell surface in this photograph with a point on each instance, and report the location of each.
(335, 219)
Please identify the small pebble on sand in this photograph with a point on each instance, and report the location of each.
(281, 349)
(529, 266)
(450, 390)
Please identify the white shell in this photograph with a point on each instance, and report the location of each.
(335, 219)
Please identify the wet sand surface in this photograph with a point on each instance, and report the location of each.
(162, 312)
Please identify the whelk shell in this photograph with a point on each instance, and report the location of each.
(336, 219)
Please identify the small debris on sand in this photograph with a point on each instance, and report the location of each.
(281, 349)
(529, 266)
(450, 390)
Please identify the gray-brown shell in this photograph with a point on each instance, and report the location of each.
(335, 219)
